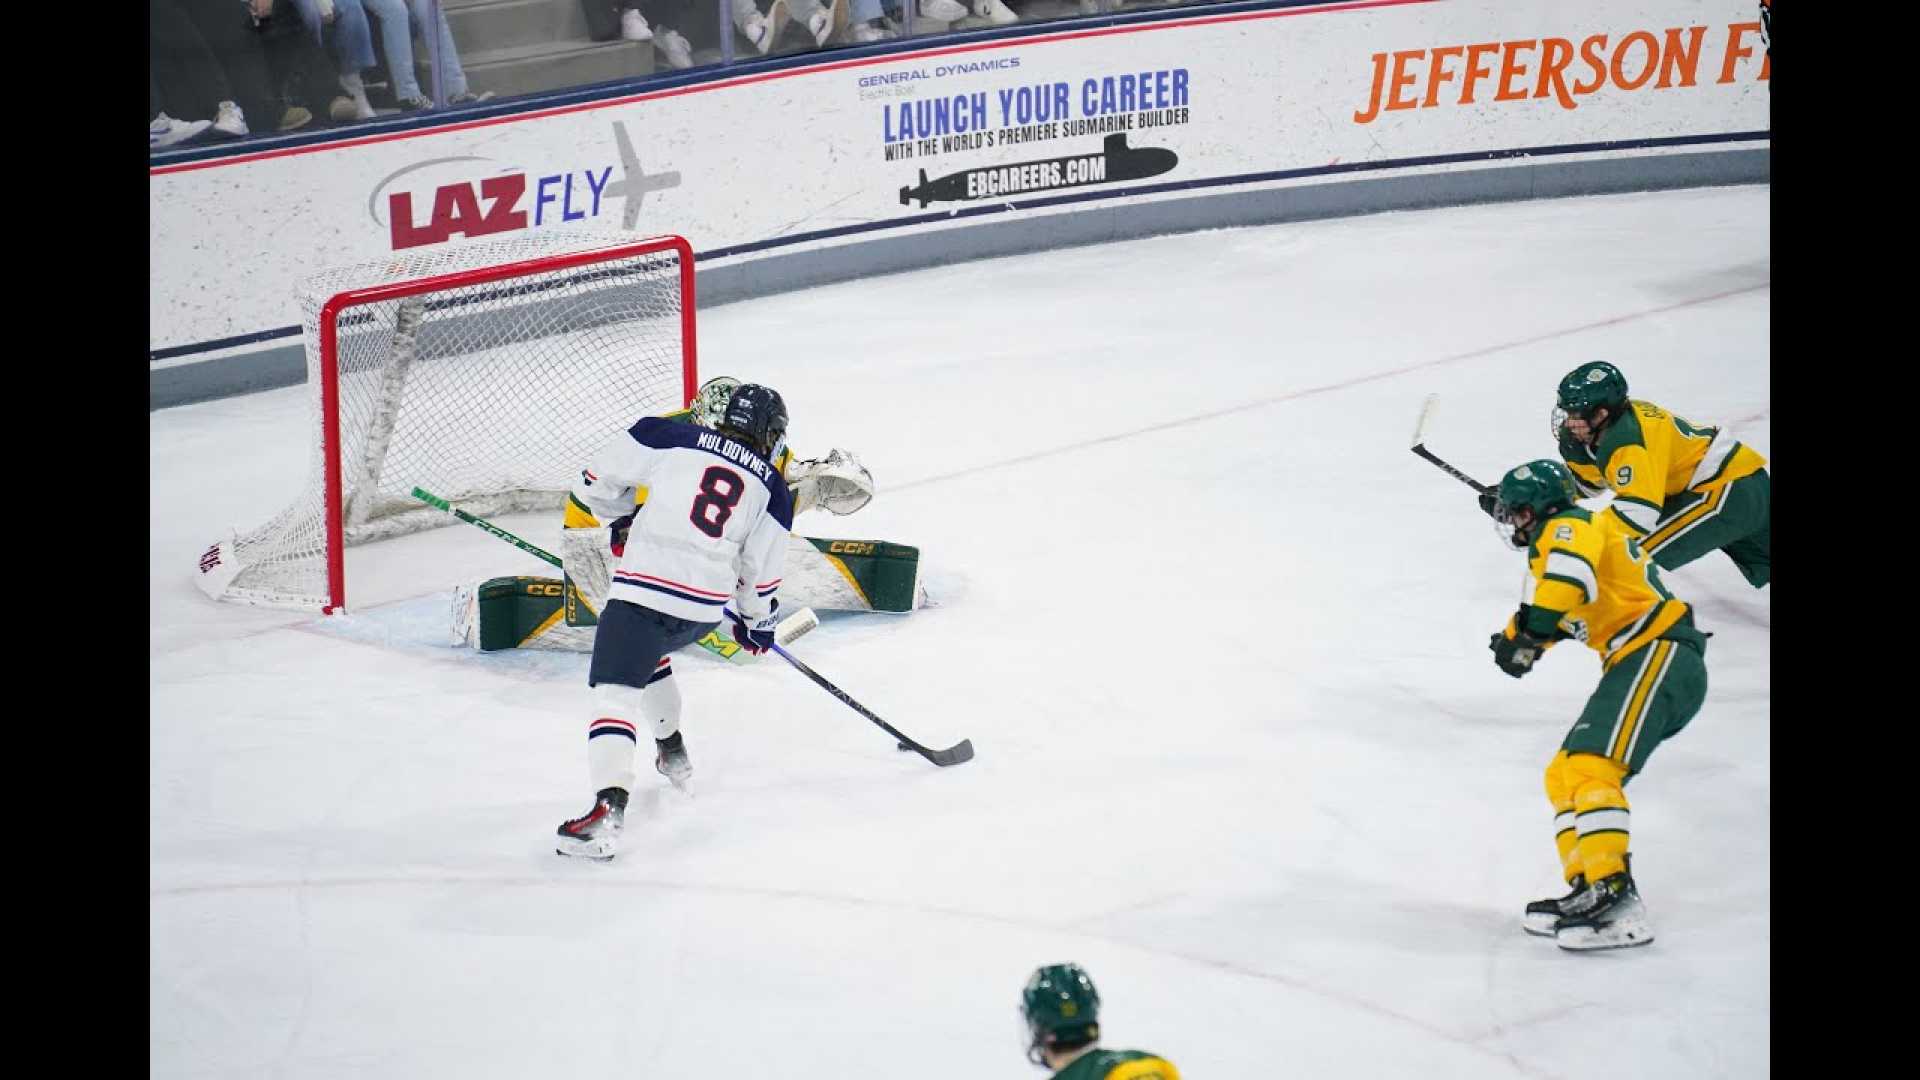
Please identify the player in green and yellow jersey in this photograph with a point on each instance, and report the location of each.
(1591, 580)
(1062, 1013)
(1684, 489)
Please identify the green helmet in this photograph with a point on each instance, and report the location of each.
(1595, 384)
(1544, 488)
(1061, 1008)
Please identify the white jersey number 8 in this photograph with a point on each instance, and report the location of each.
(720, 491)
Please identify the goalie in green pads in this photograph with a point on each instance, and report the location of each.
(824, 574)
(521, 612)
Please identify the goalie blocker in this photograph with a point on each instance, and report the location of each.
(522, 612)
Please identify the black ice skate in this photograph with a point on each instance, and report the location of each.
(672, 760)
(596, 834)
(1541, 915)
(1611, 916)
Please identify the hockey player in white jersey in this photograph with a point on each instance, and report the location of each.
(708, 544)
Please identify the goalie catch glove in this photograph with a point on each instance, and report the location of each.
(837, 483)
(757, 637)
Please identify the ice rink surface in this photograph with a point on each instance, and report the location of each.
(1219, 640)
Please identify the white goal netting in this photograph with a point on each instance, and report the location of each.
(484, 374)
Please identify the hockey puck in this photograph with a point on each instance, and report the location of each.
(903, 746)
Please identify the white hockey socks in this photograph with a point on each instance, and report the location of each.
(660, 704)
(612, 736)
(620, 713)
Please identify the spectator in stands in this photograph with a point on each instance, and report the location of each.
(341, 26)
(815, 16)
(185, 77)
(864, 23)
(210, 59)
(647, 20)
(297, 66)
(757, 28)
(995, 12)
(396, 42)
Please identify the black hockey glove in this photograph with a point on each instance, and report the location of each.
(617, 538)
(1489, 501)
(1515, 655)
(758, 637)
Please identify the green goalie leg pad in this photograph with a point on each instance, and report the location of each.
(514, 610)
(886, 576)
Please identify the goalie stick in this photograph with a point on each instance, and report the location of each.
(791, 628)
(1420, 446)
(952, 755)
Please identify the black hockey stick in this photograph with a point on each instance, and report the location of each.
(952, 755)
(1420, 447)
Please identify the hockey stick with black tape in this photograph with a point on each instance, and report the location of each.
(791, 628)
(1420, 446)
(952, 755)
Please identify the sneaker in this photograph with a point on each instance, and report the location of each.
(633, 26)
(994, 12)
(947, 11)
(415, 103)
(1541, 915)
(820, 25)
(872, 30)
(1612, 917)
(596, 833)
(673, 48)
(296, 116)
(468, 97)
(230, 120)
(764, 30)
(166, 131)
(354, 106)
(759, 32)
(671, 759)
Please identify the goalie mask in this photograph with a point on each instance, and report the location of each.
(756, 416)
(710, 403)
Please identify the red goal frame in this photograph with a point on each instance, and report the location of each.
(330, 367)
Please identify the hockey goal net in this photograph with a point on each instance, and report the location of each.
(485, 374)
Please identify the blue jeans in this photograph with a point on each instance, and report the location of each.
(349, 39)
(396, 41)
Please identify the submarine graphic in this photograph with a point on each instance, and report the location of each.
(1115, 162)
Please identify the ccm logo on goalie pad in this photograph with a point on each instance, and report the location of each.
(849, 547)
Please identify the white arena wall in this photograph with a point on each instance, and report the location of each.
(804, 170)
